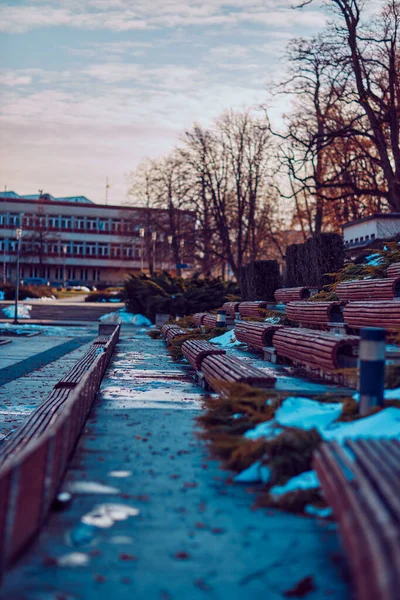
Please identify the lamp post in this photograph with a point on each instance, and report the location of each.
(141, 234)
(170, 238)
(64, 265)
(154, 238)
(18, 236)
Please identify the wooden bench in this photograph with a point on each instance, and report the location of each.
(363, 490)
(285, 295)
(393, 271)
(195, 351)
(164, 329)
(255, 335)
(317, 349)
(253, 309)
(368, 289)
(231, 308)
(210, 320)
(315, 313)
(33, 459)
(73, 377)
(174, 332)
(377, 313)
(198, 318)
(219, 370)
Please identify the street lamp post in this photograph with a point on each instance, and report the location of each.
(65, 266)
(170, 238)
(154, 238)
(141, 233)
(18, 235)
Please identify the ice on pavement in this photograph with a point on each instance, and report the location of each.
(123, 316)
(226, 340)
(385, 423)
(268, 429)
(305, 481)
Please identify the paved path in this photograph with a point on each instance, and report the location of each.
(194, 537)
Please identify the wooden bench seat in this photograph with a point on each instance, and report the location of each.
(164, 329)
(363, 489)
(210, 320)
(195, 352)
(285, 295)
(174, 332)
(231, 308)
(315, 313)
(74, 376)
(198, 318)
(219, 370)
(255, 335)
(368, 289)
(377, 313)
(393, 271)
(318, 349)
(253, 309)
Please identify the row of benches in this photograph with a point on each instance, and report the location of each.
(33, 460)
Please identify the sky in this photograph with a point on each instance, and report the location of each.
(89, 88)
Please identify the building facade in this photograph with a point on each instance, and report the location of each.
(360, 234)
(74, 239)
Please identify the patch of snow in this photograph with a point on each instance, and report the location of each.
(23, 311)
(41, 299)
(307, 414)
(269, 429)
(314, 511)
(272, 320)
(123, 316)
(255, 473)
(237, 416)
(375, 260)
(2, 295)
(74, 559)
(226, 340)
(120, 473)
(385, 423)
(90, 487)
(105, 515)
(305, 481)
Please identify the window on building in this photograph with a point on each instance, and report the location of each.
(366, 238)
(115, 225)
(103, 225)
(115, 251)
(66, 223)
(78, 249)
(128, 251)
(14, 219)
(80, 223)
(362, 238)
(54, 222)
(372, 236)
(91, 224)
(103, 249)
(91, 249)
(356, 240)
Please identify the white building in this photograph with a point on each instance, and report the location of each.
(359, 234)
(75, 239)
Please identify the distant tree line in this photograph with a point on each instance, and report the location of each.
(336, 158)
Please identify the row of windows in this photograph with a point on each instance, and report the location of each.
(72, 248)
(358, 240)
(54, 273)
(64, 222)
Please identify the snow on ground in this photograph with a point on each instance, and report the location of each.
(41, 299)
(255, 473)
(23, 311)
(307, 414)
(375, 260)
(123, 316)
(226, 340)
(305, 481)
(50, 330)
(2, 295)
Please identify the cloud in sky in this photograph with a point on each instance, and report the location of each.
(91, 87)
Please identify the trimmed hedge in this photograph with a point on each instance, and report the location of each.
(310, 263)
(261, 279)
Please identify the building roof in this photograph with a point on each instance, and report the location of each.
(48, 197)
(376, 216)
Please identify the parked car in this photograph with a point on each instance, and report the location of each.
(35, 281)
(57, 285)
(78, 286)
